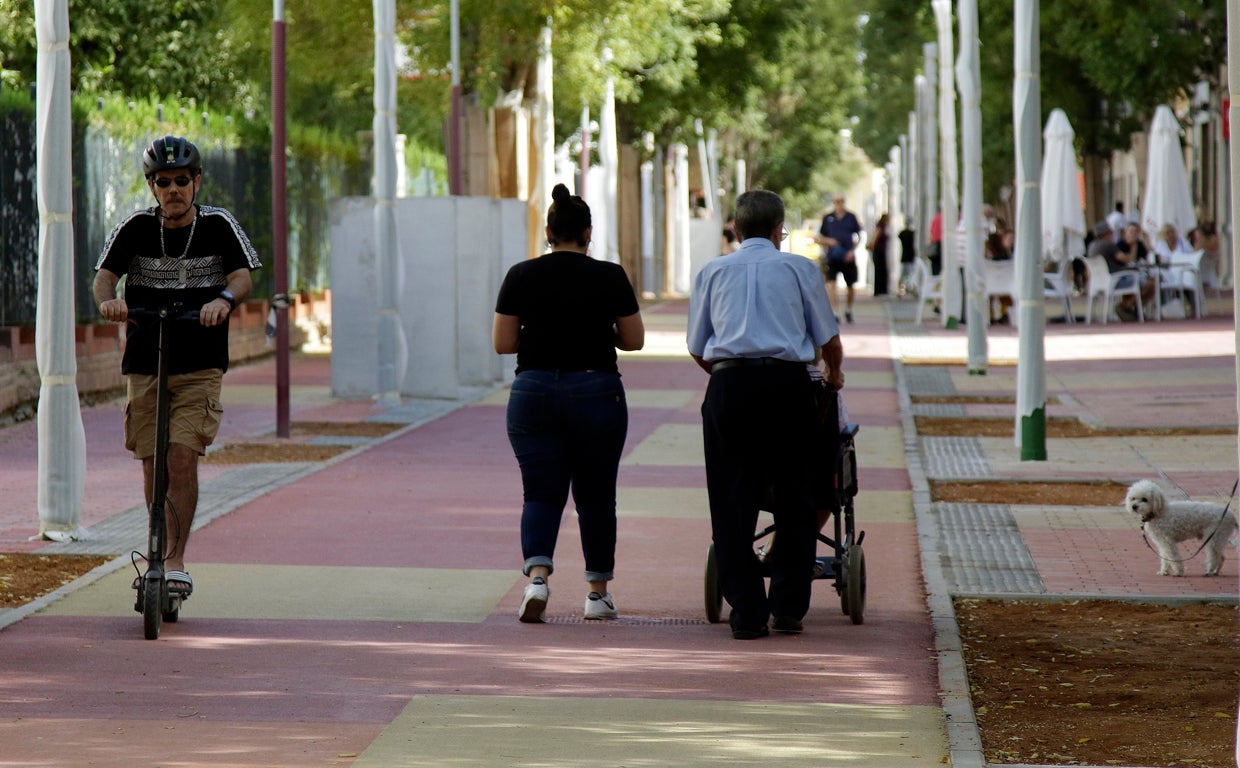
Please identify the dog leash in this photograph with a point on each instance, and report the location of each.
(1206, 541)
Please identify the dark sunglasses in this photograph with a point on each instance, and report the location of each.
(163, 182)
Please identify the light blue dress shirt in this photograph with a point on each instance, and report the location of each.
(759, 302)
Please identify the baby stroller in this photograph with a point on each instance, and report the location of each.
(844, 566)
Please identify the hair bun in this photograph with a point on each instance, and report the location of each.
(560, 192)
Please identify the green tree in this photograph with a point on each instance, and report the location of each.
(329, 59)
(141, 49)
(651, 41)
(775, 81)
(891, 36)
(773, 77)
(799, 101)
(1107, 64)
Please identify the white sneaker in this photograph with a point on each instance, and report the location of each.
(600, 606)
(534, 605)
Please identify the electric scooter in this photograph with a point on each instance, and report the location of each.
(154, 601)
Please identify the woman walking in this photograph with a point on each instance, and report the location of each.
(565, 314)
(878, 252)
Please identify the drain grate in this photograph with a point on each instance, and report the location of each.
(631, 621)
(982, 550)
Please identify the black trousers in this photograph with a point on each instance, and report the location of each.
(881, 277)
(759, 424)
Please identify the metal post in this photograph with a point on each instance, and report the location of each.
(952, 293)
(969, 77)
(1027, 116)
(279, 216)
(393, 352)
(584, 158)
(455, 176)
(930, 144)
(61, 436)
(1233, 118)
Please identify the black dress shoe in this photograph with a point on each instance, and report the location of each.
(787, 625)
(750, 634)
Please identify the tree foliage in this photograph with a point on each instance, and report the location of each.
(651, 42)
(329, 58)
(774, 78)
(891, 36)
(140, 49)
(1108, 64)
(778, 86)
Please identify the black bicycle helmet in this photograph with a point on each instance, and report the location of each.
(170, 153)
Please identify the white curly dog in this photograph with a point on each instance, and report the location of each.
(1167, 522)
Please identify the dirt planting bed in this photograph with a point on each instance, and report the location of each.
(1103, 682)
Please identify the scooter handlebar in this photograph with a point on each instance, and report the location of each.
(174, 312)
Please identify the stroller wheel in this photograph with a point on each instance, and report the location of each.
(853, 596)
(714, 597)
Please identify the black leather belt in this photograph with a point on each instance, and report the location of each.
(747, 362)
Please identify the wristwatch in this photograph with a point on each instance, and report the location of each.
(227, 295)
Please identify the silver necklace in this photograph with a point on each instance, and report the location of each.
(182, 270)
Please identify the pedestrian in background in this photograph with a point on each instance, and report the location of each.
(908, 256)
(878, 253)
(758, 318)
(838, 236)
(565, 314)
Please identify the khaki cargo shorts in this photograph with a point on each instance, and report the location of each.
(195, 411)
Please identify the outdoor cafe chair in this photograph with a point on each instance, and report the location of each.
(1110, 286)
(1058, 285)
(1181, 280)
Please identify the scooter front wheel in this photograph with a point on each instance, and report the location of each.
(152, 607)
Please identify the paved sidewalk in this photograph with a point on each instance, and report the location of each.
(1130, 379)
(361, 611)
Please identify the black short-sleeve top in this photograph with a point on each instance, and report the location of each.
(567, 304)
(180, 268)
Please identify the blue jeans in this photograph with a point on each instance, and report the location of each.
(567, 429)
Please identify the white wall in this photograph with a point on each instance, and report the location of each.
(355, 321)
(455, 252)
(705, 236)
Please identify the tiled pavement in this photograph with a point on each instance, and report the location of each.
(361, 611)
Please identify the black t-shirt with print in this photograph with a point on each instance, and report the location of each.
(160, 275)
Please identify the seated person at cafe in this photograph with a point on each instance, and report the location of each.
(998, 247)
(1133, 241)
(1205, 239)
(1169, 242)
(1117, 260)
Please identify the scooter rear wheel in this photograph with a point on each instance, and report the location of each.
(172, 611)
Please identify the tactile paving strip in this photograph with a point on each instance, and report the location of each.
(982, 551)
(928, 380)
(127, 531)
(954, 457)
(938, 409)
